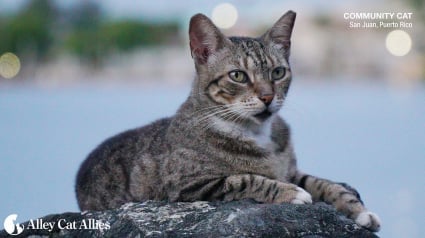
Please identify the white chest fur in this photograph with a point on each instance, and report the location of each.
(260, 135)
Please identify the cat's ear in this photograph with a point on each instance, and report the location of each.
(280, 33)
(205, 38)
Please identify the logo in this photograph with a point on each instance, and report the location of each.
(13, 228)
(10, 226)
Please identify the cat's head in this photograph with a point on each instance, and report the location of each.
(241, 78)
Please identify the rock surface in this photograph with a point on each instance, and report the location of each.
(200, 219)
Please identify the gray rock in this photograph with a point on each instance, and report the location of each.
(202, 219)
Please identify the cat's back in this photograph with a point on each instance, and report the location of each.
(117, 156)
(127, 143)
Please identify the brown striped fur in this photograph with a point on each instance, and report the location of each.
(226, 142)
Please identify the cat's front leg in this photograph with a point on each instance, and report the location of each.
(263, 189)
(342, 196)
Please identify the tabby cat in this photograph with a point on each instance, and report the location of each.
(226, 142)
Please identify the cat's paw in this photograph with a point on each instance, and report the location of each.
(302, 197)
(369, 220)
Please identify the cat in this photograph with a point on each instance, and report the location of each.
(226, 141)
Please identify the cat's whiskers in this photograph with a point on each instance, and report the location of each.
(223, 115)
(231, 112)
(204, 117)
(237, 116)
(215, 107)
(213, 110)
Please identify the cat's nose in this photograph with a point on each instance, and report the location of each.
(266, 98)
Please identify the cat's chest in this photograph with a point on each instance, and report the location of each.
(260, 137)
(252, 151)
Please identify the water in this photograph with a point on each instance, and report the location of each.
(372, 137)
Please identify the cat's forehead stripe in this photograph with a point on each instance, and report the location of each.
(254, 52)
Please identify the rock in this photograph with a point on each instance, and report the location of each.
(201, 219)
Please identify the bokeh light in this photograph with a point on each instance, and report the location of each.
(9, 65)
(224, 15)
(398, 42)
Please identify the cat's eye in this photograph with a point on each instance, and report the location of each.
(238, 76)
(278, 73)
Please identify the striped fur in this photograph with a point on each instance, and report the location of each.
(226, 142)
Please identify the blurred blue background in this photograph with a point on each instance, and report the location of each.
(91, 69)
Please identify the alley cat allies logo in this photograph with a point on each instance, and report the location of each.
(11, 226)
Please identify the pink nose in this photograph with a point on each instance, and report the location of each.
(267, 98)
